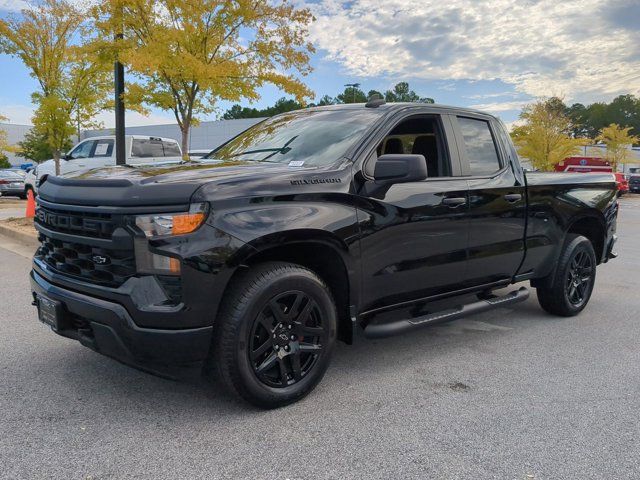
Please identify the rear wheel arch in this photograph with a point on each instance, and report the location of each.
(593, 228)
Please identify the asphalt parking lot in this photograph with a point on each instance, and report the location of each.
(511, 394)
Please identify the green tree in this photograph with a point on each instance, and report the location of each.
(588, 121)
(545, 135)
(35, 147)
(281, 106)
(351, 95)
(4, 161)
(195, 53)
(402, 93)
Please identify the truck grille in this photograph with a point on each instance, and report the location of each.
(86, 224)
(86, 262)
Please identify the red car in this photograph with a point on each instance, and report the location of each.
(622, 183)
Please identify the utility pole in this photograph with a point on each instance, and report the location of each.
(118, 77)
(353, 89)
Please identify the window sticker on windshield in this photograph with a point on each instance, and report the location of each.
(101, 149)
(296, 163)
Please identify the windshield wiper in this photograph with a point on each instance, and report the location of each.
(282, 150)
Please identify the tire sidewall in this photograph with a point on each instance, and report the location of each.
(300, 280)
(577, 245)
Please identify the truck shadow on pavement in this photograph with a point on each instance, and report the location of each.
(90, 377)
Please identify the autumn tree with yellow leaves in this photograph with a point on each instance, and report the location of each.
(619, 143)
(544, 135)
(190, 54)
(73, 83)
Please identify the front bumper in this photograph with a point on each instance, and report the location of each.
(107, 328)
(12, 191)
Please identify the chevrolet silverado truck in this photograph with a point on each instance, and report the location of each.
(312, 227)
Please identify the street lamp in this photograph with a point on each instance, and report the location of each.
(118, 80)
(353, 86)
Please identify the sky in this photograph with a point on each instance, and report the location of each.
(493, 55)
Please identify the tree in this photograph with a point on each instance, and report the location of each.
(35, 147)
(618, 142)
(191, 54)
(544, 138)
(402, 93)
(4, 144)
(4, 161)
(351, 95)
(281, 106)
(588, 121)
(73, 84)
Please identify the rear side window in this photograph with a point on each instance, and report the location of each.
(104, 148)
(149, 148)
(479, 145)
(171, 149)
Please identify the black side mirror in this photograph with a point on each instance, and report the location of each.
(400, 168)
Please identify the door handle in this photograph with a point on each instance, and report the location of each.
(454, 202)
(513, 197)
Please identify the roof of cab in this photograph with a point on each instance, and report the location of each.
(393, 106)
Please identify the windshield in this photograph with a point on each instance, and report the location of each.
(305, 137)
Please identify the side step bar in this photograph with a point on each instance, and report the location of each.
(401, 326)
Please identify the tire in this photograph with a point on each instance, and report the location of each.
(275, 334)
(573, 280)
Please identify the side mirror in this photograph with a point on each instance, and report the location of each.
(400, 168)
(66, 156)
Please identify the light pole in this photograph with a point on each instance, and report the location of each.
(118, 77)
(353, 87)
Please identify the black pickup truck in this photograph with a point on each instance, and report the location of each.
(307, 228)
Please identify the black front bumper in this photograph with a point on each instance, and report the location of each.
(107, 328)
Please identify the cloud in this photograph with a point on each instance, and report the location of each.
(500, 106)
(582, 50)
(12, 5)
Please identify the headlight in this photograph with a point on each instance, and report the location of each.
(164, 224)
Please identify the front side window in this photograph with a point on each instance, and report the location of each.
(479, 145)
(301, 138)
(83, 150)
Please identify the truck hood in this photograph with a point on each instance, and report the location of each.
(172, 184)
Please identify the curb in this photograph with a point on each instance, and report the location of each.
(23, 238)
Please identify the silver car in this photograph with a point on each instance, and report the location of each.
(12, 183)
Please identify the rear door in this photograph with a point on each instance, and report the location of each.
(496, 200)
(413, 235)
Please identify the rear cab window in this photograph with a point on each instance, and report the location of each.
(154, 148)
(480, 146)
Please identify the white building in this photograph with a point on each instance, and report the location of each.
(15, 133)
(205, 136)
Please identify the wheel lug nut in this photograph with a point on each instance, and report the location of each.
(286, 348)
(293, 337)
(277, 347)
(289, 327)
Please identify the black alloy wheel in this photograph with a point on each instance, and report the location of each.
(567, 291)
(275, 334)
(580, 277)
(287, 339)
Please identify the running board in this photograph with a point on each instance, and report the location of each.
(401, 326)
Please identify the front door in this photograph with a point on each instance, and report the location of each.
(414, 235)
